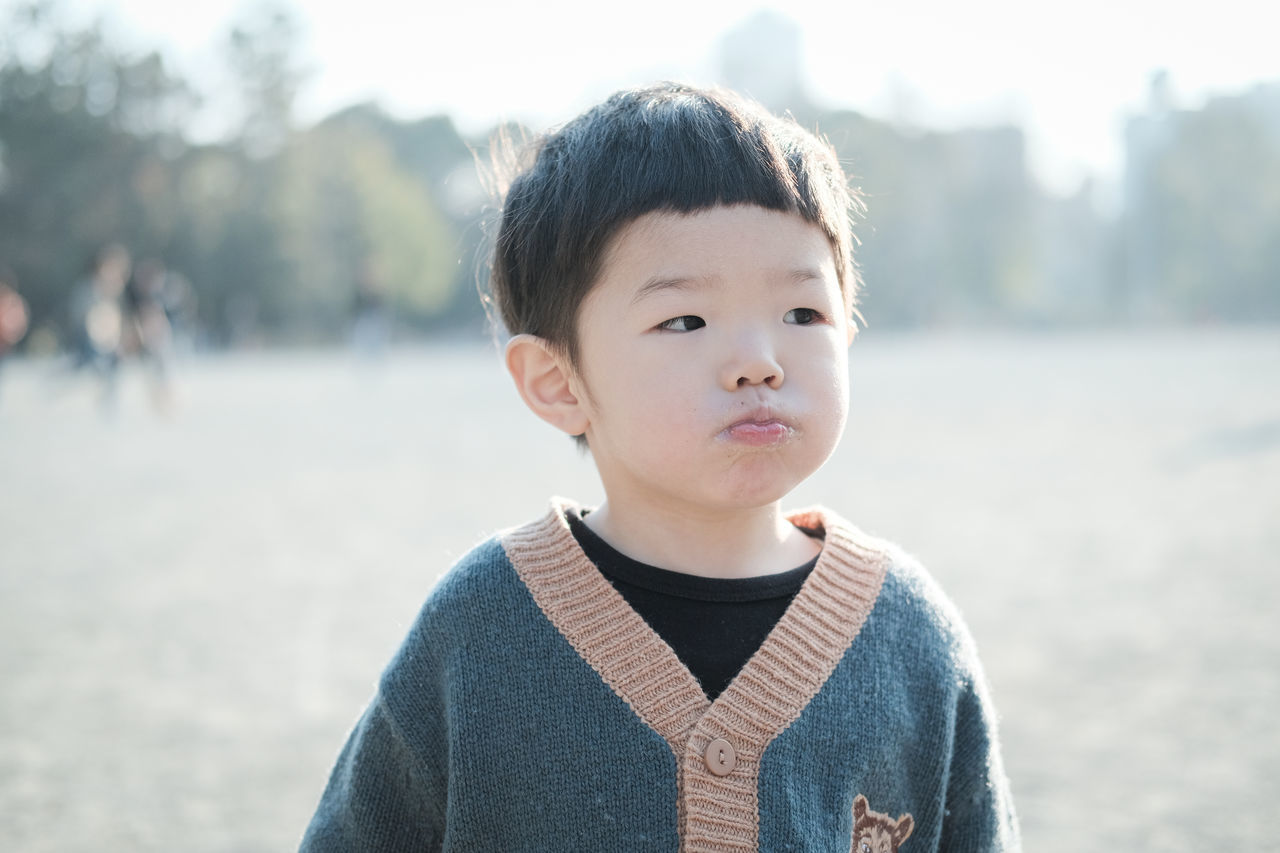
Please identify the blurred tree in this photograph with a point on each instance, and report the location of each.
(86, 134)
(1075, 261)
(948, 234)
(226, 239)
(262, 51)
(347, 209)
(432, 151)
(430, 147)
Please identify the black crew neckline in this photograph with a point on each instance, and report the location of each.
(618, 566)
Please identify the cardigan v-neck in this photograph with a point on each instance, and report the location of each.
(718, 809)
(713, 624)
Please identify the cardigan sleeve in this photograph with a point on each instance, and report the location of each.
(979, 812)
(380, 797)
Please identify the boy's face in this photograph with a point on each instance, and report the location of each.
(713, 360)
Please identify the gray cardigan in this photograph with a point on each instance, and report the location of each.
(530, 708)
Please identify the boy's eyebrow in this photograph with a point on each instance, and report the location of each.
(658, 284)
(800, 276)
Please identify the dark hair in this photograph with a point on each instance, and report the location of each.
(667, 147)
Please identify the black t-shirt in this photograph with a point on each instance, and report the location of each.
(714, 625)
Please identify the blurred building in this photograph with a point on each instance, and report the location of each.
(1142, 239)
(1200, 235)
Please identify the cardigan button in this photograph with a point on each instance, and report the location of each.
(721, 759)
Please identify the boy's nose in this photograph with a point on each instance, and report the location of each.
(756, 368)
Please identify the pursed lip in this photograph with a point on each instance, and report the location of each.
(759, 428)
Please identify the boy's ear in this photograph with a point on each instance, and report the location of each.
(542, 378)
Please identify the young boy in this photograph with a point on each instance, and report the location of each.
(684, 667)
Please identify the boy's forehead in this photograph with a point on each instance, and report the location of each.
(668, 246)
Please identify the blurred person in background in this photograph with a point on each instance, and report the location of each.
(147, 332)
(180, 307)
(13, 315)
(97, 318)
(371, 323)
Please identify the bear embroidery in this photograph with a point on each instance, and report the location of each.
(874, 832)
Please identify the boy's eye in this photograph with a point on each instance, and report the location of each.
(803, 316)
(685, 323)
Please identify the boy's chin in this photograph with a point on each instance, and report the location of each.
(758, 494)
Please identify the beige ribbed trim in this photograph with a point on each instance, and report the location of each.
(795, 660)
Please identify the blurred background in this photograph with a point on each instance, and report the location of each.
(251, 407)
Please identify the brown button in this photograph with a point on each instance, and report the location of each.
(721, 759)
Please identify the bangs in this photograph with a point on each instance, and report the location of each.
(665, 148)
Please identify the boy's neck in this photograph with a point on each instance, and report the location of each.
(742, 544)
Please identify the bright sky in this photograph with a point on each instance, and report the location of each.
(1067, 72)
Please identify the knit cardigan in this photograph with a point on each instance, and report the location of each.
(530, 708)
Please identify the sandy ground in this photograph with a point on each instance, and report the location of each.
(193, 608)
